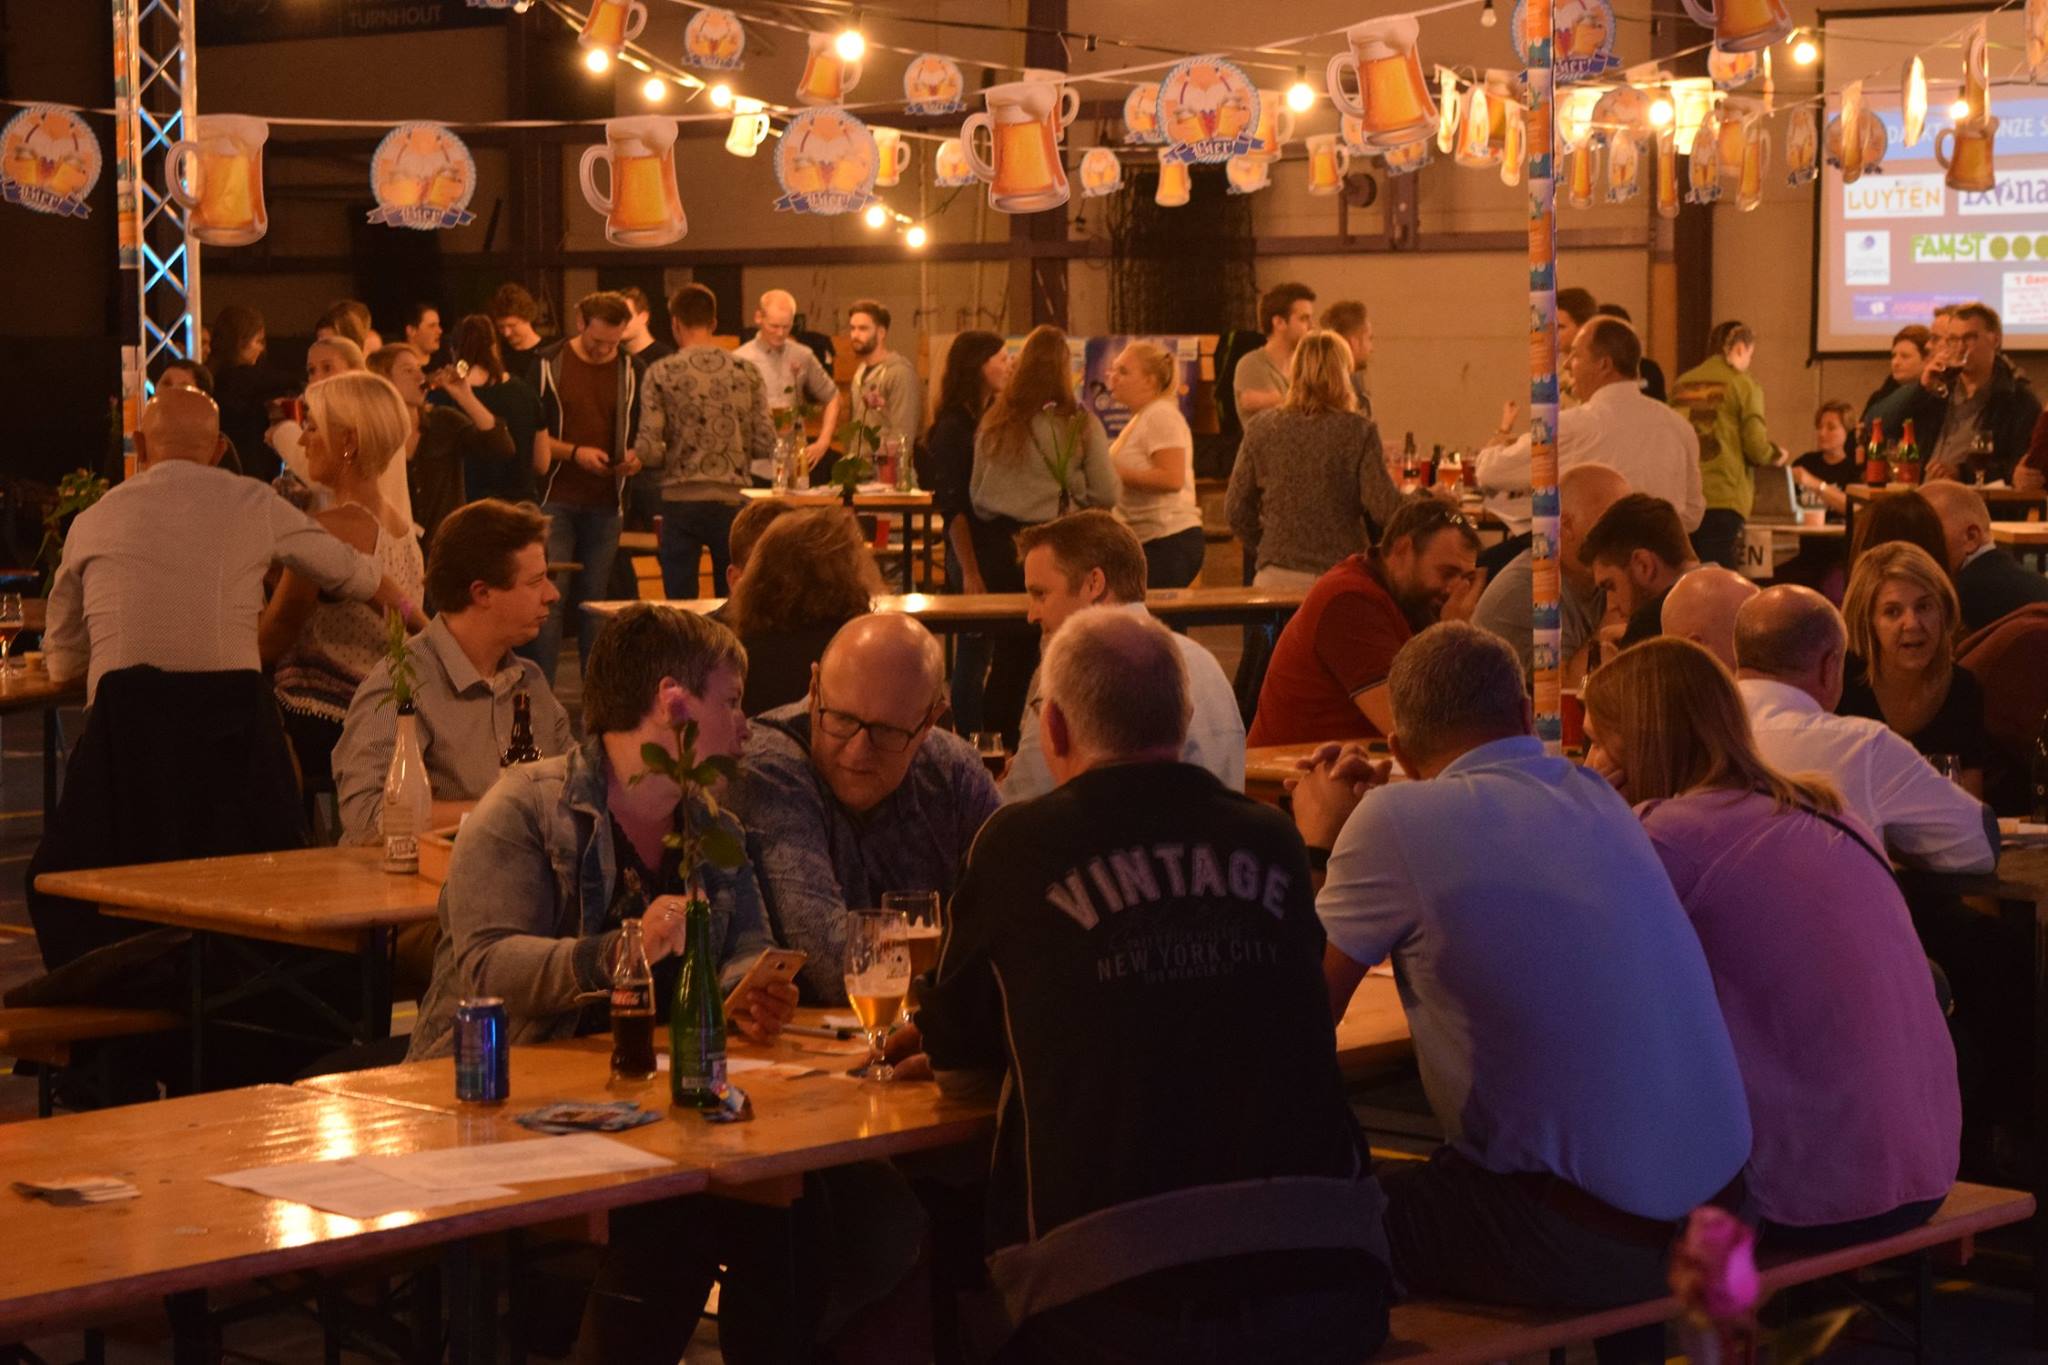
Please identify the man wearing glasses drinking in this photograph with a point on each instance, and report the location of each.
(854, 792)
(1991, 406)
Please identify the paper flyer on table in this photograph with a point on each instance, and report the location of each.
(352, 1189)
(514, 1163)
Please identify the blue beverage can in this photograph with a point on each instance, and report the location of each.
(483, 1056)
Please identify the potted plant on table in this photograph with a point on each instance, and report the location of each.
(860, 434)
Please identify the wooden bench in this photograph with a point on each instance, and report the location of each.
(45, 1035)
(1438, 1332)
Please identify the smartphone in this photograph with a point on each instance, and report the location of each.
(776, 965)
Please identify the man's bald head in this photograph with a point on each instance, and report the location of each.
(1965, 519)
(1584, 493)
(778, 301)
(1792, 635)
(179, 424)
(874, 696)
(891, 645)
(1702, 606)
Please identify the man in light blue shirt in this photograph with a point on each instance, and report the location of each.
(1088, 559)
(1565, 1021)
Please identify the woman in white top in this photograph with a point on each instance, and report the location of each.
(1154, 459)
(319, 651)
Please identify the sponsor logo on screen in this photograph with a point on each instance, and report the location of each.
(1971, 248)
(1895, 196)
(1867, 257)
(2017, 191)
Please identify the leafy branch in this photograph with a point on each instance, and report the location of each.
(700, 840)
(76, 491)
(405, 679)
(1060, 464)
(862, 428)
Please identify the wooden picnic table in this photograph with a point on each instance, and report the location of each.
(339, 900)
(992, 612)
(23, 690)
(2007, 503)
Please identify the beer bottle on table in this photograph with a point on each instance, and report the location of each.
(632, 1006)
(408, 803)
(521, 749)
(696, 1025)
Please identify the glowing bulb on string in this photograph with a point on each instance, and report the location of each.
(597, 60)
(1301, 96)
(875, 216)
(850, 44)
(1487, 18)
(1805, 52)
(721, 95)
(655, 90)
(1959, 110)
(915, 237)
(1661, 113)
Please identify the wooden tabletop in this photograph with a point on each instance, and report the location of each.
(25, 689)
(1997, 497)
(1830, 530)
(185, 1232)
(316, 897)
(953, 610)
(827, 497)
(2028, 534)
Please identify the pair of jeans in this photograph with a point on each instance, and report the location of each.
(1175, 561)
(687, 530)
(1719, 539)
(587, 536)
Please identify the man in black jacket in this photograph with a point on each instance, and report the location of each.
(1176, 1174)
(1989, 582)
(1991, 406)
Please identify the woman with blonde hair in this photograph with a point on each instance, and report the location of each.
(808, 575)
(1902, 617)
(1310, 485)
(1154, 457)
(319, 651)
(1845, 1056)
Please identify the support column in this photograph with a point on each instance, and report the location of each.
(1041, 280)
(1545, 587)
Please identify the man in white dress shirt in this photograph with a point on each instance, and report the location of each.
(792, 373)
(1789, 648)
(1652, 446)
(167, 569)
(1091, 559)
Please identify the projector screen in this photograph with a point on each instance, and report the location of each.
(1892, 246)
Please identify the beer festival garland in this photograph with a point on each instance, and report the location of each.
(1611, 127)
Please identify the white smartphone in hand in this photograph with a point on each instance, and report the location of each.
(776, 966)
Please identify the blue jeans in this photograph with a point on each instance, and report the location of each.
(687, 530)
(583, 535)
(970, 665)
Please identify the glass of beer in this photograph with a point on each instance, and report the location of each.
(644, 207)
(921, 911)
(877, 979)
(994, 756)
(218, 177)
(12, 623)
(1023, 168)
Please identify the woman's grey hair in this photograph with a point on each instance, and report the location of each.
(1118, 678)
(1456, 684)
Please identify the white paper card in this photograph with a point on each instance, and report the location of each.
(514, 1163)
(351, 1188)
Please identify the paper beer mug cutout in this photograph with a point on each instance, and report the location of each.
(1275, 128)
(932, 84)
(1624, 168)
(1977, 72)
(715, 40)
(1472, 146)
(1581, 37)
(1913, 111)
(218, 177)
(1352, 129)
(612, 24)
(1743, 25)
(1703, 166)
(1208, 109)
(643, 207)
(2037, 38)
(422, 176)
(1407, 158)
(1329, 161)
(950, 167)
(1449, 108)
(1802, 148)
(749, 126)
(1141, 114)
(1514, 145)
(1022, 168)
(828, 77)
(1579, 165)
(1249, 174)
(1393, 98)
(1667, 173)
(49, 161)
(1070, 98)
(892, 156)
(1174, 186)
(1968, 159)
(1756, 158)
(1101, 173)
(1733, 70)
(826, 163)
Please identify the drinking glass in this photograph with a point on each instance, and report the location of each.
(920, 911)
(877, 979)
(1949, 766)
(12, 623)
(994, 756)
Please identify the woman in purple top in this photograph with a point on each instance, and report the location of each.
(1846, 1060)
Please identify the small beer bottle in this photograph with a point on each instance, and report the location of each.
(696, 1026)
(521, 749)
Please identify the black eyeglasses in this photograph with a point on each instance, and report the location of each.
(890, 739)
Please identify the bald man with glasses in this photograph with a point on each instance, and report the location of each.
(854, 791)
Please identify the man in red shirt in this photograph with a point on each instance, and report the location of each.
(1329, 671)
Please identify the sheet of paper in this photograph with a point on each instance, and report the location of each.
(840, 1021)
(740, 1066)
(516, 1163)
(351, 1188)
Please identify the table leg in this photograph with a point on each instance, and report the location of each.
(909, 554)
(376, 1020)
(50, 731)
(471, 1285)
(195, 967)
(194, 1339)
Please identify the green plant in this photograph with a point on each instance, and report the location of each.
(697, 837)
(861, 429)
(398, 653)
(1060, 464)
(76, 491)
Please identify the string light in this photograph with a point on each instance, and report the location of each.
(1487, 18)
(915, 237)
(1805, 52)
(1661, 112)
(655, 90)
(1301, 96)
(1960, 109)
(876, 216)
(597, 60)
(721, 96)
(851, 45)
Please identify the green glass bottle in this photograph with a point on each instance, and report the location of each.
(696, 1025)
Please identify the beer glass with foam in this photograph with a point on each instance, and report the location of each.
(1968, 163)
(1174, 185)
(1743, 25)
(828, 77)
(1756, 156)
(643, 207)
(1393, 97)
(1328, 160)
(1070, 98)
(749, 126)
(1022, 169)
(1275, 128)
(218, 177)
(892, 156)
(612, 24)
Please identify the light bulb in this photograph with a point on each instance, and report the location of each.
(915, 237)
(721, 95)
(1661, 113)
(1487, 18)
(850, 45)
(597, 60)
(1301, 96)
(1960, 109)
(655, 90)
(1805, 52)
(875, 216)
